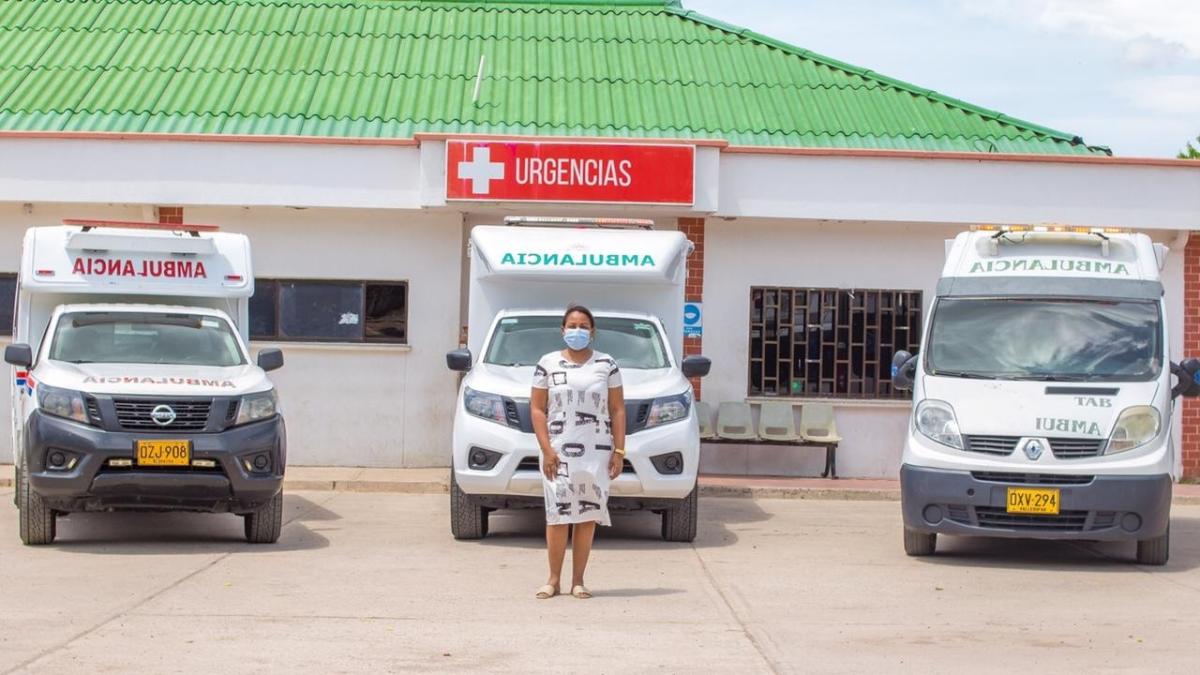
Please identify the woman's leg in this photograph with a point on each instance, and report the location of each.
(581, 548)
(556, 547)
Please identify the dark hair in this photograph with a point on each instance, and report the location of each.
(582, 310)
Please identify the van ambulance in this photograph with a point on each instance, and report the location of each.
(132, 386)
(1043, 396)
(522, 278)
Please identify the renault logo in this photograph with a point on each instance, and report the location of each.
(164, 414)
(1033, 450)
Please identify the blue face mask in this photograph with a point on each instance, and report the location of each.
(577, 338)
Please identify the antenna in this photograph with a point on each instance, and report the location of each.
(479, 79)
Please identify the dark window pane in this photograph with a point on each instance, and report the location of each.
(8, 300)
(387, 312)
(320, 310)
(262, 309)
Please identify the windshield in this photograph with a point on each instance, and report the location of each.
(522, 340)
(1045, 339)
(129, 337)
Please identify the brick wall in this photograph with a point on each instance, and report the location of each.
(170, 214)
(693, 229)
(1189, 445)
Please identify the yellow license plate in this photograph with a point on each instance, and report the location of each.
(1033, 500)
(164, 453)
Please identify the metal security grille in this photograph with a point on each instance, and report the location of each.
(830, 343)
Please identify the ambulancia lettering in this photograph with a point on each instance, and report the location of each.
(1097, 267)
(1061, 425)
(183, 381)
(551, 259)
(155, 269)
(1093, 402)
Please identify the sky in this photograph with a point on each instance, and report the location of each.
(1119, 73)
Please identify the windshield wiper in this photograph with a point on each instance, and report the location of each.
(1051, 378)
(963, 374)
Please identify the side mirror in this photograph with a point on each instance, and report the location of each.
(459, 360)
(270, 359)
(19, 355)
(696, 366)
(904, 369)
(1188, 372)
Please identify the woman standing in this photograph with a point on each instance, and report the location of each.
(578, 410)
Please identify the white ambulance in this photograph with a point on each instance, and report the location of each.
(132, 385)
(522, 278)
(1044, 392)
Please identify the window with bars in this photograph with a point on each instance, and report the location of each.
(831, 343)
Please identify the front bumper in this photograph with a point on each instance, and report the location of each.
(515, 473)
(91, 485)
(1104, 508)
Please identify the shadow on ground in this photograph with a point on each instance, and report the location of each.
(631, 530)
(136, 533)
(1036, 554)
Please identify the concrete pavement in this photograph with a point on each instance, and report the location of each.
(373, 582)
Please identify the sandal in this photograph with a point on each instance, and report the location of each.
(581, 592)
(546, 592)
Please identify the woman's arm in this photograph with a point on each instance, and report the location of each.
(616, 413)
(538, 401)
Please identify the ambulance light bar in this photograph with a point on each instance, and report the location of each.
(1072, 229)
(88, 224)
(612, 223)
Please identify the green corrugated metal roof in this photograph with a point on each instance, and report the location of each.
(392, 68)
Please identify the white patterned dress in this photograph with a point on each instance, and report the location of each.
(580, 433)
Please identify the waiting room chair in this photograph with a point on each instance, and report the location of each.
(817, 427)
(734, 422)
(704, 412)
(777, 423)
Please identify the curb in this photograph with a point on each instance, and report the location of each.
(710, 491)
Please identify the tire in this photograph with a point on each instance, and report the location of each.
(1154, 551)
(679, 522)
(468, 520)
(919, 544)
(38, 523)
(265, 524)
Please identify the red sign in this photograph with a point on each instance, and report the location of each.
(530, 171)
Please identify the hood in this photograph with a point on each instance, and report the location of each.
(140, 379)
(1038, 409)
(516, 381)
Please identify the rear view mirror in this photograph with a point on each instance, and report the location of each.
(270, 359)
(904, 369)
(1188, 372)
(19, 355)
(696, 366)
(459, 360)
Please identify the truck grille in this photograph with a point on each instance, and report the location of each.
(134, 414)
(1030, 478)
(1073, 448)
(531, 464)
(992, 445)
(997, 517)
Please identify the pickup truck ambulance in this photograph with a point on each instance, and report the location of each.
(522, 278)
(132, 385)
(1043, 395)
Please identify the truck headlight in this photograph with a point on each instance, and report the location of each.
(669, 409)
(1135, 427)
(255, 407)
(62, 403)
(935, 420)
(487, 406)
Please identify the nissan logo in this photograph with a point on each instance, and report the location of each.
(1033, 450)
(163, 415)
